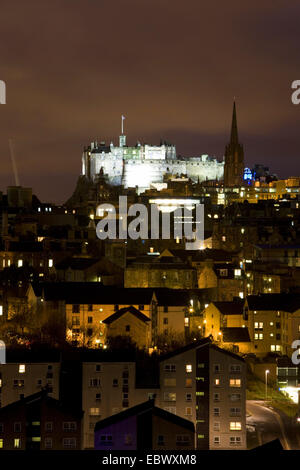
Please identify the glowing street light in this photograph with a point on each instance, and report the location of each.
(266, 375)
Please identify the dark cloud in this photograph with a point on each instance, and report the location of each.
(72, 67)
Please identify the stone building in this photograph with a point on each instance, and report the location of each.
(143, 165)
(234, 157)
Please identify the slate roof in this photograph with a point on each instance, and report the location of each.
(76, 263)
(235, 335)
(234, 307)
(285, 302)
(41, 396)
(202, 255)
(134, 311)
(141, 409)
(204, 342)
(93, 293)
(96, 293)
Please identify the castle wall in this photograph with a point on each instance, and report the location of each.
(143, 165)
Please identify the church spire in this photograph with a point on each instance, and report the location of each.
(234, 156)
(234, 138)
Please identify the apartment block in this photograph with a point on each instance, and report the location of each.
(207, 385)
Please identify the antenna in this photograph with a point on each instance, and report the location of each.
(13, 161)
(122, 124)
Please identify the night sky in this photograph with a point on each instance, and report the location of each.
(72, 67)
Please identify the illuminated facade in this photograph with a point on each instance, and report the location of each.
(143, 165)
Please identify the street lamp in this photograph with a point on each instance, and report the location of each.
(266, 375)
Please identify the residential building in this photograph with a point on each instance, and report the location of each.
(39, 422)
(207, 385)
(144, 427)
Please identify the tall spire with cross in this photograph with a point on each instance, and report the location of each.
(234, 156)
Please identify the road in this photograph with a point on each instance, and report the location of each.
(272, 424)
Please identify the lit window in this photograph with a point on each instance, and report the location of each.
(235, 426)
(170, 382)
(188, 382)
(50, 263)
(1, 310)
(17, 443)
(235, 382)
(188, 368)
(1, 443)
(217, 381)
(21, 368)
(169, 396)
(20, 263)
(94, 412)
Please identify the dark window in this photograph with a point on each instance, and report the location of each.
(278, 325)
(165, 309)
(141, 307)
(90, 308)
(17, 427)
(165, 321)
(116, 307)
(76, 308)
(127, 328)
(90, 319)
(49, 426)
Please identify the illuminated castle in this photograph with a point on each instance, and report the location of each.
(143, 165)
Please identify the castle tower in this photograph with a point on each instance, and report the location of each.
(122, 138)
(234, 157)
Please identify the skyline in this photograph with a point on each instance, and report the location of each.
(173, 72)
